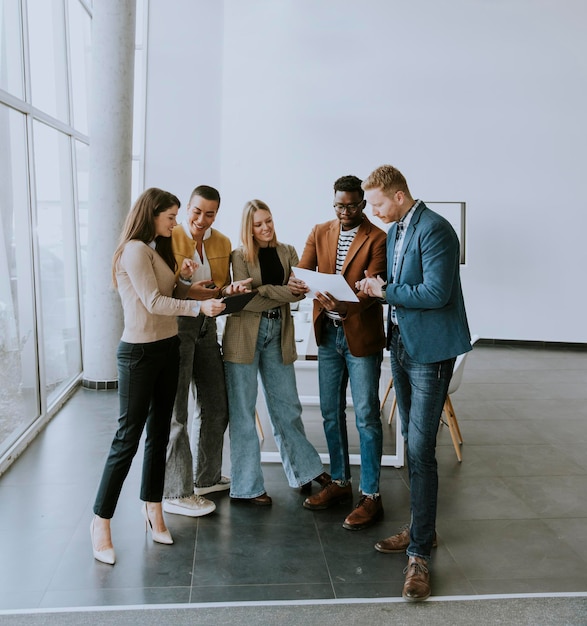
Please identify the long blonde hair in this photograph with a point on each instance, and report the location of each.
(250, 246)
(140, 224)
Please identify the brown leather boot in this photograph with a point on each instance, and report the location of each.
(417, 585)
(399, 543)
(331, 494)
(367, 512)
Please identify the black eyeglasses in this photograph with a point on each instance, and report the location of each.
(352, 207)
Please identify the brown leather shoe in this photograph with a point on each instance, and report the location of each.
(262, 500)
(329, 495)
(417, 585)
(398, 543)
(323, 479)
(367, 512)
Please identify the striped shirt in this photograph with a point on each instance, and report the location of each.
(345, 239)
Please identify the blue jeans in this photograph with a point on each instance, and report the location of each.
(420, 391)
(336, 366)
(301, 462)
(147, 381)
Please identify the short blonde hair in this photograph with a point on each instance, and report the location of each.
(387, 178)
(250, 246)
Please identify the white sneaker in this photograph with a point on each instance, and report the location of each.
(222, 485)
(192, 506)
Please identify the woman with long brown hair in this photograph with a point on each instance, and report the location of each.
(143, 270)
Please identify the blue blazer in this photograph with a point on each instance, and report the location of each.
(427, 289)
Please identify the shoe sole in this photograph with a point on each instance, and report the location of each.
(376, 518)
(250, 501)
(321, 507)
(202, 491)
(177, 510)
(409, 599)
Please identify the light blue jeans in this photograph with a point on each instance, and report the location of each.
(301, 462)
(336, 366)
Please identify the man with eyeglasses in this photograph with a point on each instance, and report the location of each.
(350, 340)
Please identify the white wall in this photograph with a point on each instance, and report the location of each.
(184, 92)
(475, 101)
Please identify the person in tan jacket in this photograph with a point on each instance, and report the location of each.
(194, 460)
(260, 340)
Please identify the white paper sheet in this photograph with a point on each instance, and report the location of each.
(334, 284)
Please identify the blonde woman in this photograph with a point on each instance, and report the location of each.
(260, 340)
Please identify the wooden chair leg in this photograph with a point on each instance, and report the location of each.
(453, 428)
(454, 419)
(259, 427)
(389, 386)
(393, 407)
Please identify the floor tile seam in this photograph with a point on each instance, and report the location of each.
(260, 585)
(323, 551)
(57, 563)
(563, 520)
(193, 572)
(444, 475)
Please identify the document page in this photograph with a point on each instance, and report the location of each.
(334, 284)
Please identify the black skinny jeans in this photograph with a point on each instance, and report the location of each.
(147, 382)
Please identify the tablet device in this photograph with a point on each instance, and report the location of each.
(237, 302)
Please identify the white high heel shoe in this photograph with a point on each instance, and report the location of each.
(104, 556)
(158, 537)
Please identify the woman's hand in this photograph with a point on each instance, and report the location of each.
(188, 267)
(213, 307)
(238, 286)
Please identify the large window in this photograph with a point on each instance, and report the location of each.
(57, 254)
(45, 54)
(11, 74)
(43, 176)
(19, 393)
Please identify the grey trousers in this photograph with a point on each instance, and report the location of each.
(201, 368)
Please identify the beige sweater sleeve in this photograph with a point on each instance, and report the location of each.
(147, 285)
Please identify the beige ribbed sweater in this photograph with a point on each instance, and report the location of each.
(150, 299)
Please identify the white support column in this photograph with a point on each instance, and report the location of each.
(111, 118)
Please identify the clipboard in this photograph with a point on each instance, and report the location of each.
(237, 302)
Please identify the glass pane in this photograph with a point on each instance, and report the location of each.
(47, 57)
(82, 162)
(80, 57)
(11, 73)
(19, 397)
(57, 259)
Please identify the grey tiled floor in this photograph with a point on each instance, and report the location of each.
(512, 517)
